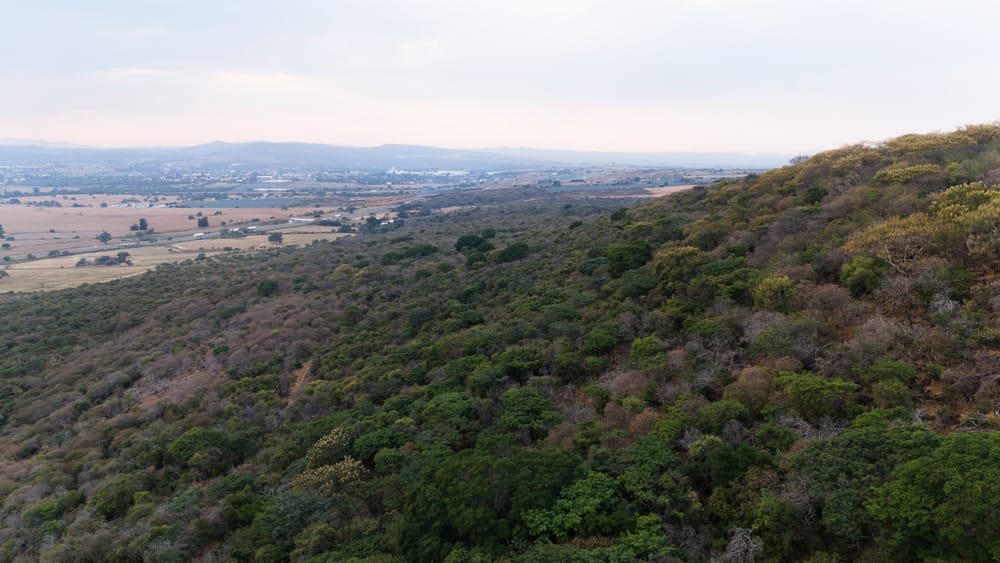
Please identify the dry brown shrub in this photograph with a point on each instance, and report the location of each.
(615, 417)
(833, 301)
(669, 393)
(786, 363)
(643, 422)
(760, 321)
(575, 405)
(753, 387)
(562, 436)
(622, 383)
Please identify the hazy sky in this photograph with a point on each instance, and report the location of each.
(703, 75)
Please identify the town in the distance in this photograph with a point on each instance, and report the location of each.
(70, 216)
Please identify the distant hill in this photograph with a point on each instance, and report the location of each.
(267, 154)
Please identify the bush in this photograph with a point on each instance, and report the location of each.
(885, 369)
(773, 292)
(815, 397)
(891, 393)
(514, 252)
(646, 347)
(862, 274)
(627, 256)
(267, 288)
(115, 498)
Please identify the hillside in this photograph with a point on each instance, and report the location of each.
(800, 365)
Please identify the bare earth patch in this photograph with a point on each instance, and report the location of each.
(667, 190)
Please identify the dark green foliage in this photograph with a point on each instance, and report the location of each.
(209, 451)
(512, 253)
(585, 508)
(267, 288)
(473, 242)
(665, 229)
(527, 410)
(940, 506)
(115, 498)
(885, 369)
(843, 471)
(414, 251)
(478, 498)
(862, 274)
(815, 397)
(627, 256)
(636, 283)
(599, 341)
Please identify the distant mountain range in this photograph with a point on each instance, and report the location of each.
(267, 154)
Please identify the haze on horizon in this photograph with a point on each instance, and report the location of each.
(631, 75)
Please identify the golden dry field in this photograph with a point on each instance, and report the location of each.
(667, 190)
(61, 272)
(41, 230)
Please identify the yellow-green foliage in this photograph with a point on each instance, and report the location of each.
(973, 210)
(927, 143)
(773, 292)
(679, 262)
(957, 201)
(331, 479)
(898, 241)
(968, 213)
(902, 175)
(843, 162)
(329, 448)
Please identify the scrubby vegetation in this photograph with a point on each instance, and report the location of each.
(800, 365)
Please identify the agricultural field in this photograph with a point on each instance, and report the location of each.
(62, 272)
(41, 229)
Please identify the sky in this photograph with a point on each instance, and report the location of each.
(783, 76)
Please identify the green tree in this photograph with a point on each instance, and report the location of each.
(773, 292)
(862, 274)
(581, 510)
(267, 288)
(815, 397)
(645, 347)
(104, 237)
(942, 506)
(473, 242)
(627, 256)
(528, 410)
(114, 498)
(843, 471)
(513, 252)
(884, 369)
(477, 498)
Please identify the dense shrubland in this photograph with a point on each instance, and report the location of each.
(799, 365)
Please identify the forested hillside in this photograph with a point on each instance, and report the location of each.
(801, 365)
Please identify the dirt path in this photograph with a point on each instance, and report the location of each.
(300, 382)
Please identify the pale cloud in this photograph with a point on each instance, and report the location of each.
(767, 75)
(422, 53)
